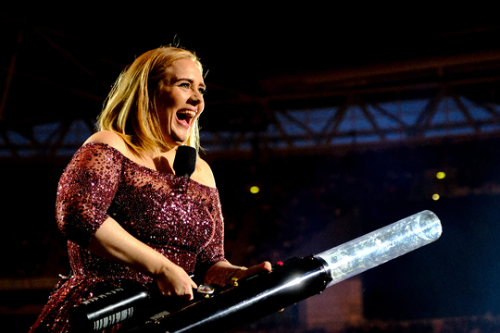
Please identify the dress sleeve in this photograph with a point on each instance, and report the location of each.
(86, 189)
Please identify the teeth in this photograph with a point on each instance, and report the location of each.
(187, 113)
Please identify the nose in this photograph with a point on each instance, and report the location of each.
(196, 98)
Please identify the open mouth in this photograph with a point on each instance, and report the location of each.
(185, 116)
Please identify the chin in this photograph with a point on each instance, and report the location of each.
(179, 139)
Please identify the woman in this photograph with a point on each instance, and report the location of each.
(124, 212)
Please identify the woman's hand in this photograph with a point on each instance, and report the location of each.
(223, 272)
(174, 281)
(244, 272)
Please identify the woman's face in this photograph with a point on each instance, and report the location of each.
(180, 100)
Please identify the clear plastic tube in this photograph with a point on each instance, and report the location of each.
(381, 245)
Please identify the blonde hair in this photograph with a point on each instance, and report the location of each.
(128, 110)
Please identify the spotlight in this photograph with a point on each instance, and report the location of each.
(435, 197)
(254, 189)
(440, 175)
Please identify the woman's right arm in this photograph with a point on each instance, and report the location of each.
(85, 192)
(115, 243)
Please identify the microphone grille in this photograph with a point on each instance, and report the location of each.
(185, 161)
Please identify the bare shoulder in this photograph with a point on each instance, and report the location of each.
(203, 173)
(111, 139)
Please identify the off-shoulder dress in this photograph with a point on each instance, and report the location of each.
(177, 217)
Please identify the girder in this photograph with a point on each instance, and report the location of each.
(398, 102)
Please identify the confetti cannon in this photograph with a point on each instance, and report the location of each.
(267, 292)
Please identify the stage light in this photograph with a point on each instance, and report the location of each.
(254, 189)
(440, 175)
(435, 197)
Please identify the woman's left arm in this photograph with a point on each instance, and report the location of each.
(221, 271)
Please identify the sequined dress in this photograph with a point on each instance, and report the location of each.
(179, 218)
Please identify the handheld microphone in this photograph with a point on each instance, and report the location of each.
(185, 161)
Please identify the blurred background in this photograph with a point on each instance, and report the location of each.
(321, 124)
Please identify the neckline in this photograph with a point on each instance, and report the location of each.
(147, 168)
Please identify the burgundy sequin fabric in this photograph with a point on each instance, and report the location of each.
(179, 218)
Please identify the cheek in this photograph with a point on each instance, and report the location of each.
(202, 106)
(168, 98)
(165, 114)
(168, 107)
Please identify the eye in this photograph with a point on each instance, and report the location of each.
(202, 91)
(184, 84)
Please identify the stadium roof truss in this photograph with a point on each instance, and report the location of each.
(399, 102)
